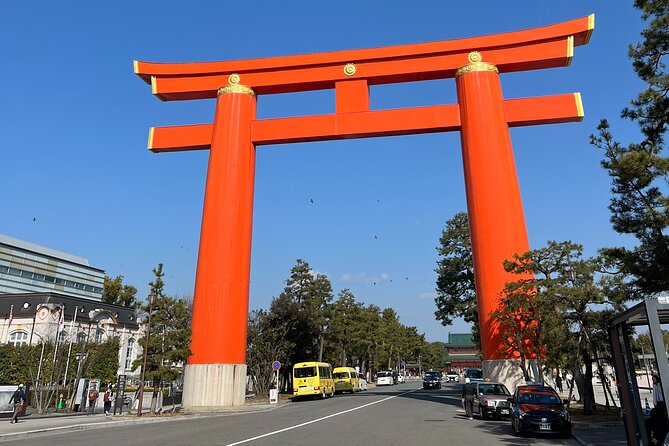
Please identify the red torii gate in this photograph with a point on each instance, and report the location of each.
(216, 372)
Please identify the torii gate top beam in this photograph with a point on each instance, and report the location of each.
(537, 48)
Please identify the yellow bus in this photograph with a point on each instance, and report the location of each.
(313, 379)
(346, 379)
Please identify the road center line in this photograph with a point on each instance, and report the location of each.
(318, 419)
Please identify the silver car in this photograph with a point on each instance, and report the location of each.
(491, 400)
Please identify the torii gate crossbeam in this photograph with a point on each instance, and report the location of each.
(216, 372)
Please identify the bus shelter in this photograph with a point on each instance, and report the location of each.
(651, 313)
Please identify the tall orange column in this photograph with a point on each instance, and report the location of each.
(496, 219)
(216, 371)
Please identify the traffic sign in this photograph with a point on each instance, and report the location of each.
(276, 365)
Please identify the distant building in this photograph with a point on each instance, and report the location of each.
(29, 268)
(32, 318)
(38, 284)
(462, 352)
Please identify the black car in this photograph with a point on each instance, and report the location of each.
(432, 380)
(539, 409)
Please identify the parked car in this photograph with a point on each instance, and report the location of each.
(539, 409)
(431, 380)
(362, 382)
(453, 376)
(491, 400)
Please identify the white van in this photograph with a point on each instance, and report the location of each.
(385, 378)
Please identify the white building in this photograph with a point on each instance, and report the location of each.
(38, 284)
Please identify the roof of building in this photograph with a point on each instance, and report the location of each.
(460, 340)
(452, 358)
(32, 247)
(24, 305)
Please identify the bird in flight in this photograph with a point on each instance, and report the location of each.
(312, 200)
(34, 219)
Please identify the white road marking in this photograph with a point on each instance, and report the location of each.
(317, 420)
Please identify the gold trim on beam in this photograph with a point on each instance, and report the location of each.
(151, 131)
(475, 64)
(591, 27)
(570, 50)
(154, 89)
(579, 106)
(236, 88)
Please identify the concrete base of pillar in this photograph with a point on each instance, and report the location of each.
(212, 387)
(508, 372)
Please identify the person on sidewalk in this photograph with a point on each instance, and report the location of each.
(657, 424)
(468, 394)
(657, 391)
(107, 399)
(92, 399)
(18, 398)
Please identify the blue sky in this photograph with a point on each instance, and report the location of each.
(74, 122)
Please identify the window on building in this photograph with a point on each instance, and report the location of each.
(128, 354)
(18, 338)
(99, 335)
(81, 337)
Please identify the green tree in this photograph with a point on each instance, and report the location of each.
(101, 361)
(304, 306)
(266, 342)
(115, 292)
(168, 347)
(456, 290)
(345, 330)
(435, 356)
(640, 171)
(570, 303)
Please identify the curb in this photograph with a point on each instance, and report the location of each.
(579, 440)
(130, 422)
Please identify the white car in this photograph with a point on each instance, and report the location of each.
(452, 376)
(385, 378)
(363, 382)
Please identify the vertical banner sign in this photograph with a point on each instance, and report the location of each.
(274, 393)
(120, 394)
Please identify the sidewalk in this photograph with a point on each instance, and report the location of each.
(603, 434)
(33, 425)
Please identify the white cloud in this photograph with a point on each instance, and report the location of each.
(365, 278)
(426, 296)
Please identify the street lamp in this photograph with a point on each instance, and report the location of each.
(140, 395)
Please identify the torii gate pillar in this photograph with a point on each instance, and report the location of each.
(215, 375)
(494, 204)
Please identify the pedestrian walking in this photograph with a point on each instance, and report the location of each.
(657, 391)
(18, 399)
(558, 382)
(468, 394)
(657, 424)
(570, 380)
(92, 399)
(107, 399)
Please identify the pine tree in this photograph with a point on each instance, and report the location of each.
(640, 171)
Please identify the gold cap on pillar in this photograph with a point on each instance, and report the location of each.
(235, 87)
(475, 64)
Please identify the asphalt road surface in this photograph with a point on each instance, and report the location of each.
(396, 415)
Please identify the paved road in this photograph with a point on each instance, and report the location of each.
(386, 416)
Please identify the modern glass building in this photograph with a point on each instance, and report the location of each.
(29, 268)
